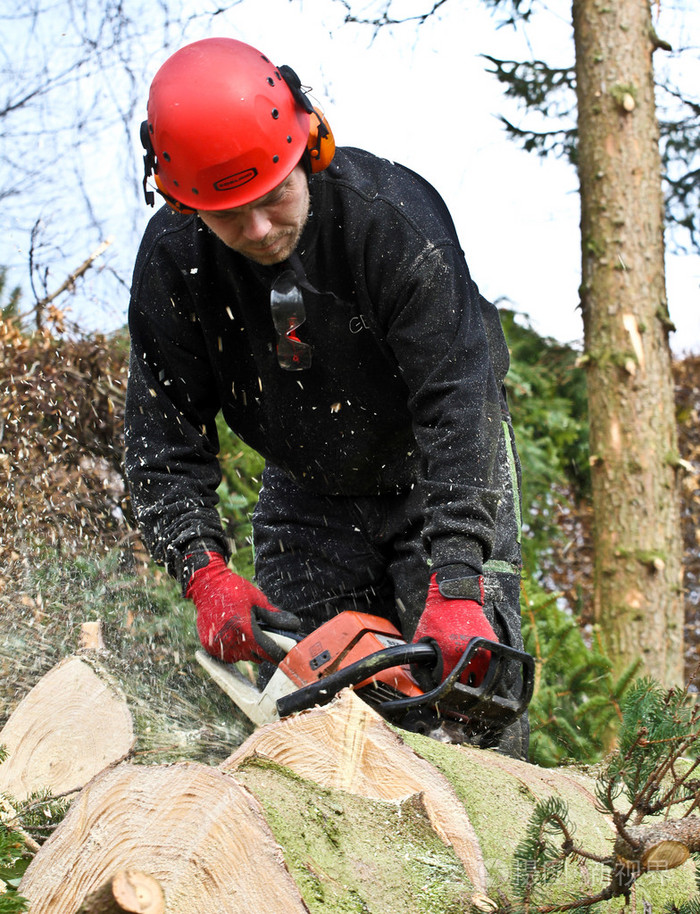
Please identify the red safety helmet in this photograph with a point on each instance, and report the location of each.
(225, 126)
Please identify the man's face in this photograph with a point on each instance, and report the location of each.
(268, 229)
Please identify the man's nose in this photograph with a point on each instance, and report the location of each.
(257, 225)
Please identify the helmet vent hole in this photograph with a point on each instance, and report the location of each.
(289, 139)
(166, 156)
(275, 113)
(270, 81)
(275, 159)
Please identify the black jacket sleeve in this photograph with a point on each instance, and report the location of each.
(171, 440)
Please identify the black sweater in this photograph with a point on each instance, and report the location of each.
(404, 386)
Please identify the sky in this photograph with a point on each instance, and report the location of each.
(421, 96)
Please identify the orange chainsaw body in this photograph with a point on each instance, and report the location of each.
(345, 638)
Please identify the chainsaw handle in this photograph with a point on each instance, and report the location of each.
(478, 702)
(322, 691)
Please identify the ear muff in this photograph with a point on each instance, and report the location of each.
(171, 201)
(320, 145)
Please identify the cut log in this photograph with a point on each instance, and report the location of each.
(352, 749)
(329, 810)
(196, 831)
(69, 727)
(662, 845)
(91, 638)
(129, 891)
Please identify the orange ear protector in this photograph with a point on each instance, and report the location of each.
(320, 144)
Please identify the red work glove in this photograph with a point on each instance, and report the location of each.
(451, 622)
(229, 610)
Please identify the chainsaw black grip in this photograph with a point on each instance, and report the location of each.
(262, 619)
(321, 692)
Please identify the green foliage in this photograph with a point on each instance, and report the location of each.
(685, 907)
(659, 729)
(548, 401)
(241, 469)
(13, 862)
(539, 858)
(548, 96)
(548, 91)
(651, 771)
(692, 905)
(576, 706)
(680, 153)
(40, 813)
(149, 630)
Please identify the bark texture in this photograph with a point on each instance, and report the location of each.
(634, 449)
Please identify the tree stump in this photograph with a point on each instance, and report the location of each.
(69, 727)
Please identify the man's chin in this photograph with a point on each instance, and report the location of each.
(273, 253)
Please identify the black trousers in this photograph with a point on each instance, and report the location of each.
(318, 555)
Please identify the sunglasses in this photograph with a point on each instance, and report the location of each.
(288, 314)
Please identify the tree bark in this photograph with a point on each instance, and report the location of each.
(634, 449)
(661, 846)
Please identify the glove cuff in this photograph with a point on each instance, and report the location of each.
(194, 562)
(460, 582)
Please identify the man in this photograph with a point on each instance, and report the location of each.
(319, 299)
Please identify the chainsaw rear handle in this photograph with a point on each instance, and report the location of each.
(479, 702)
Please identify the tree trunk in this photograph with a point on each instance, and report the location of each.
(329, 810)
(634, 450)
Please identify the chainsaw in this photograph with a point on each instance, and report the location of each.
(368, 654)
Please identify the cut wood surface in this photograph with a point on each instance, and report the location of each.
(196, 831)
(127, 892)
(662, 845)
(69, 727)
(352, 749)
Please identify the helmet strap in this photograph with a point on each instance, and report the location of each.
(149, 163)
(150, 167)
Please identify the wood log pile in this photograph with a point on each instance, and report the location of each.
(327, 810)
